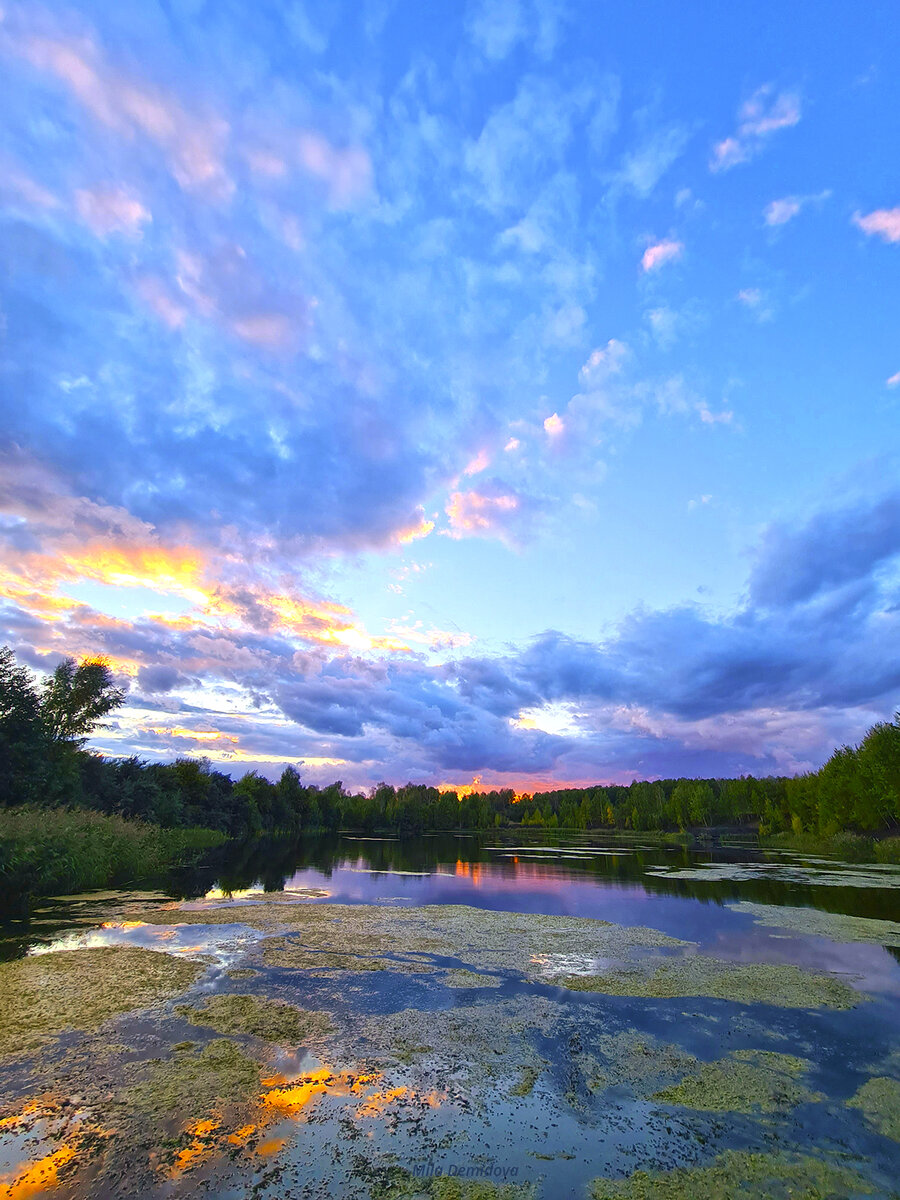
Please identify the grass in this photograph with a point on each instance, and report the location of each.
(43, 851)
(852, 847)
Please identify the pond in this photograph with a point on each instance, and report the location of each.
(512, 1015)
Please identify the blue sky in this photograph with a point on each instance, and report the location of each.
(496, 390)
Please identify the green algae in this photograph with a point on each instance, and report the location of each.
(460, 978)
(538, 943)
(477, 1046)
(747, 1081)
(271, 1020)
(780, 984)
(46, 994)
(527, 1079)
(632, 1060)
(739, 1175)
(194, 1082)
(815, 922)
(879, 1100)
(399, 1184)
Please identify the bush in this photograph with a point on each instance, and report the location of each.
(52, 850)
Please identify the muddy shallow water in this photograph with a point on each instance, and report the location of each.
(459, 1018)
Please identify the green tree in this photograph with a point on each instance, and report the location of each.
(76, 697)
(21, 731)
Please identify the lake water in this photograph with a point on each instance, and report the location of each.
(477, 1025)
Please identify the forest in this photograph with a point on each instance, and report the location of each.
(44, 764)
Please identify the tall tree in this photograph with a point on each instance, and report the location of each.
(76, 698)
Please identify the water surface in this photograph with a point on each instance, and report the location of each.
(460, 1057)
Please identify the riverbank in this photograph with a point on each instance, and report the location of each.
(853, 847)
(43, 851)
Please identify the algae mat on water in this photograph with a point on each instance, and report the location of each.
(271, 1020)
(783, 985)
(45, 994)
(738, 1175)
(815, 922)
(746, 1081)
(879, 1099)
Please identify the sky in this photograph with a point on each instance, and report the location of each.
(503, 391)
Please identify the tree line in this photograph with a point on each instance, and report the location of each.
(43, 762)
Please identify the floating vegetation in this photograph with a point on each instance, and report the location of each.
(527, 1079)
(747, 1081)
(485, 938)
(817, 923)
(633, 1060)
(474, 1045)
(461, 978)
(271, 1020)
(43, 995)
(193, 1081)
(879, 1100)
(739, 1175)
(396, 1183)
(829, 874)
(780, 984)
(292, 954)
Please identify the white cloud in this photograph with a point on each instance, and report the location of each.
(764, 114)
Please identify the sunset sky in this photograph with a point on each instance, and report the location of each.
(434, 391)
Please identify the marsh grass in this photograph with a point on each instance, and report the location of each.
(43, 851)
(851, 847)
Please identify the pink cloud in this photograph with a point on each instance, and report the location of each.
(193, 145)
(271, 331)
(554, 425)
(155, 295)
(894, 380)
(347, 173)
(661, 252)
(885, 222)
(111, 210)
(758, 118)
(779, 212)
(480, 513)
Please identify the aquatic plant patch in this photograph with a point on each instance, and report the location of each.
(746, 1081)
(270, 1020)
(779, 984)
(43, 995)
(879, 1100)
(815, 922)
(737, 1175)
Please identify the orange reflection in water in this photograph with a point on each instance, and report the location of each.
(39, 1177)
(44, 1123)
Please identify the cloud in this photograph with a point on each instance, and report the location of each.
(883, 222)
(111, 210)
(490, 512)
(133, 108)
(554, 425)
(764, 114)
(657, 255)
(836, 547)
(497, 27)
(346, 172)
(642, 168)
(779, 212)
(894, 380)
